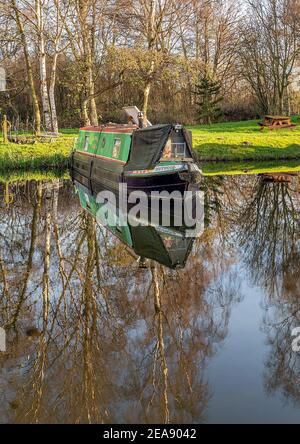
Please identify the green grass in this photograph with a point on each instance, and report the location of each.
(38, 156)
(240, 141)
(69, 132)
(26, 175)
(233, 141)
(233, 168)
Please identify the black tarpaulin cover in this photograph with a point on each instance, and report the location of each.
(188, 138)
(147, 147)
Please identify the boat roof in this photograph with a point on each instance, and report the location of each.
(111, 128)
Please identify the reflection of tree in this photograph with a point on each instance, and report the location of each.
(212, 197)
(267, 223)
(268, 233)
(169, 358)
(282, 371)
(33, 236)
(87, 343)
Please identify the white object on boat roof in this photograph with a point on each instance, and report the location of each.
(133, 112)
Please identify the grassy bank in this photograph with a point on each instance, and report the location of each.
(234, 141)
(26, 175)
(38, 156)
(241, 141)
(234, 168)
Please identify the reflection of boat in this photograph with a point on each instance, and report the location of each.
(154, 158)
(169, 246)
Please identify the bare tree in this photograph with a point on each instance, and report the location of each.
(40, 27)
(268, 51)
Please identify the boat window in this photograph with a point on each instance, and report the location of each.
(103, 142)
(179, 149)
(175, 149)
(117, 148)
(86, 143)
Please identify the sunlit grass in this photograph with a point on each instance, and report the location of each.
(36, 156)
(245, 141)
(26, 175)
(233, 168)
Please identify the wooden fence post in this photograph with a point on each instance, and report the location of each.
(5, 129)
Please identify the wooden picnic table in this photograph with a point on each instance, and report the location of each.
(277, 122)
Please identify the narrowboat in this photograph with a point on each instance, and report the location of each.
(151, 158)
(168, 246)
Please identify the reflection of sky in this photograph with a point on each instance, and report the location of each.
(236, 374)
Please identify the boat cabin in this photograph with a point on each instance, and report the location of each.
(142, 157)
(114, 142)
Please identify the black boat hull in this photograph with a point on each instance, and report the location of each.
(98, 174)
(156, 183)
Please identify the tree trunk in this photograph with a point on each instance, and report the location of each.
(280, 104)
(93, 107)
(151, 46)
(85, 113)
(146, 100)
(43, 67)
(35, 102)
(52, 93)
(88, 65)
(288, 99)
(206, 39)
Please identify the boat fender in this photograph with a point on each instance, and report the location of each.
(193, 176)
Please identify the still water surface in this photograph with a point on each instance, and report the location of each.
(94, 335)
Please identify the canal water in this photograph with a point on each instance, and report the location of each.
(94, 333)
